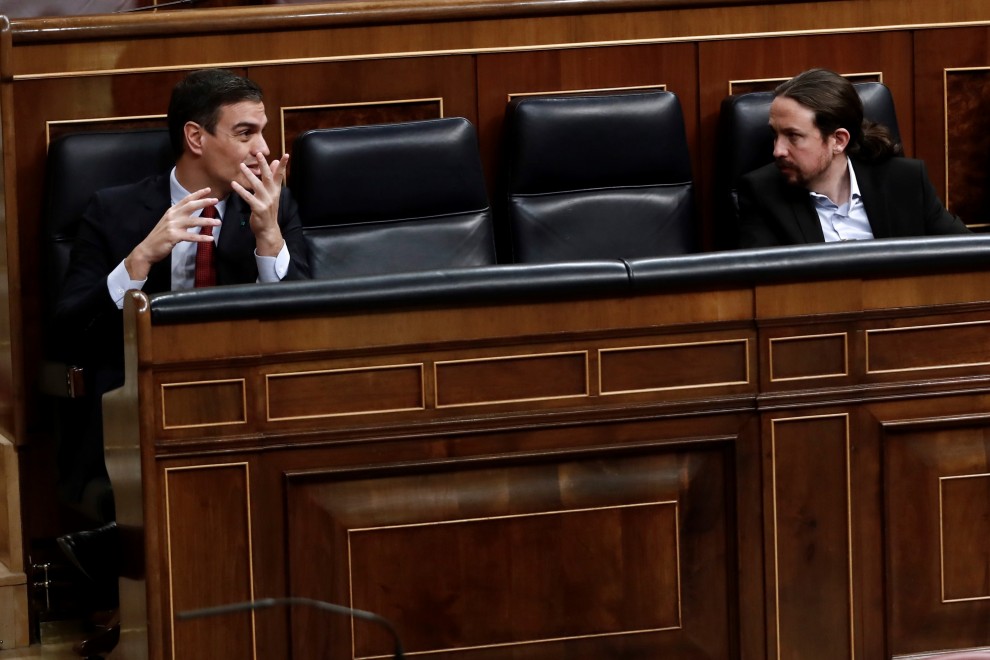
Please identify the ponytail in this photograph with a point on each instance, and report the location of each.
(876, 143)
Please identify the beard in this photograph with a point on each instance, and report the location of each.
(796, 176)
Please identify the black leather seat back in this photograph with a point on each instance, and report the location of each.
(392, 197)
(78, 165)
(745, 143)
(598, 177)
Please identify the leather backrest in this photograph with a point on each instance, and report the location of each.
(604, 176)
(78, 165)
(392, 197)
(745, 143)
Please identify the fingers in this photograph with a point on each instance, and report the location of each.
(185, 215)
(269, 176)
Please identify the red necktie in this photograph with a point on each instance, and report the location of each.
(206, 273)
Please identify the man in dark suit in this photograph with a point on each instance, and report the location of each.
(157, 235)
(835, 175)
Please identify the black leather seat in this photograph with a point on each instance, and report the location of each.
(598, 177)
(392, 197)
(78, 165)
(745, 143)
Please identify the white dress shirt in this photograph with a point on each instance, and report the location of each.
(847, 222)
(119, 282)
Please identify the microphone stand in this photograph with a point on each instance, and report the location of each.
(265, 603)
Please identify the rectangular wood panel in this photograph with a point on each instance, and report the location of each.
(928, 347)
(310, 394)
(529, 559)
(937, 500)
(964, 514)
(205, 403)
(674, 366)
(209, 558)
(812, 562)
(515, 378)
(493, 558)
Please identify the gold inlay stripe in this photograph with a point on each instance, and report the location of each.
(91, 120)
(862, 74)
(501, 49)
(593, 90)
(355, 104)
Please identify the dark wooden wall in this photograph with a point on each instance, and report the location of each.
(357, 62)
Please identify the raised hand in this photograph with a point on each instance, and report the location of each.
(173, 227)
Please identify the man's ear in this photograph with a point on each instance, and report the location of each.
(841, 137)
(193, 133)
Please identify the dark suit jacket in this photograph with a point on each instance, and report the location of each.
(115, 221)
(898, 196)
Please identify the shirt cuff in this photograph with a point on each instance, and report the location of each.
(119, 282)
(273, 269)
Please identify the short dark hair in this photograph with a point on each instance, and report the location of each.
(199, 97)
(836, 105)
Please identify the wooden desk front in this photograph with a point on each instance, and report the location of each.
(788, 470)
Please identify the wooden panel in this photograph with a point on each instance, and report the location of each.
(494, 556)
(928, 347)
(504, 379)
(811, 538)
(809, 356)
(937, 499)
(207, 403)
(308, 394)
(209, 562)
(674, 366)
(964, 513)
(769, 84)
(940, 56)
(967, 121)
(595, 557)
(305, 96)
(296, 121)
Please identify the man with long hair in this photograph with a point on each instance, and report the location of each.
(835, 176)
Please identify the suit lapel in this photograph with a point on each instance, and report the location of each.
(874, 201)
(805, 215)
(236, 240)
(157, 200)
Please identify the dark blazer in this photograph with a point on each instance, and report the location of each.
(898, 196)
(115, 221)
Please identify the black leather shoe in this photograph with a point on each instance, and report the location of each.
(95, 552)
(102, 641)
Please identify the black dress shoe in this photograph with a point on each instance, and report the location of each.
(96, 553)
(102, 641)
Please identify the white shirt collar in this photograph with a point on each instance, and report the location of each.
(177, 192)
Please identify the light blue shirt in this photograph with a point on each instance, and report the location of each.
(119, 282)
(847, 222)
